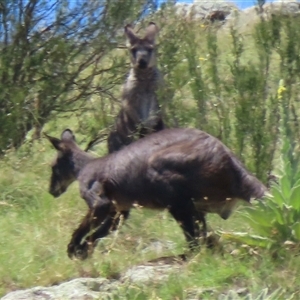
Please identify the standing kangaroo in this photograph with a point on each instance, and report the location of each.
(140, 112)
(186, 171)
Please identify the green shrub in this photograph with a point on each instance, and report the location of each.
(275, 220)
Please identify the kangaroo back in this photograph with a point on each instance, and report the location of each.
(250, 186)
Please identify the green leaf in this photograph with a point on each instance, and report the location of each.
(277, 211)
(261, 213)
(294, 200)
(259, 216)
(245, 238)
(287, 168)
(296, 230)
(260, 229)
(297, 181)
(295, 216)
(284, 232)
(277, 195)
(289, 213)
(285, 186)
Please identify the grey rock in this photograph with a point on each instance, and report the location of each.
(202, 10)
(250, 16)
(76, 289)
(151, 273)
(96, 288)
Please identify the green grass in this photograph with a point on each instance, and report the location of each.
(36, 228)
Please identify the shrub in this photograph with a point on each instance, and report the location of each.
(275, 220)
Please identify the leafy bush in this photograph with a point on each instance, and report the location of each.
(275, 220)
(224, 81)
(56, 58)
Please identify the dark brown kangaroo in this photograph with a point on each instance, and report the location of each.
(140, 113)
(186, 171)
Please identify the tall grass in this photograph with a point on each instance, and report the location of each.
(228, 83)
(238, 86)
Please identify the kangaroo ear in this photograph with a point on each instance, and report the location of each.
(57, 144)
(151, 32)
(132, 38)
(67, 135)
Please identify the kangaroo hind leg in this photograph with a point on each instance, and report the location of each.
(185, 215)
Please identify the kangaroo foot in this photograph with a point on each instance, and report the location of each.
(79, 251)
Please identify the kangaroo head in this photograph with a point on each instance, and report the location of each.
(142, 50)
(63, 171)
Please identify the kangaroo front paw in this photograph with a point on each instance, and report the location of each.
(79, 251)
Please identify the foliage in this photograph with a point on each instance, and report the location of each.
(54, 58)
(225, 82)
(274, 221)
(263, 295)
(216, 78)
(242, 87)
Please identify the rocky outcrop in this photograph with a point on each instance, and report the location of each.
(252, 15)
(101, 288)
(223, 11)
(76, 289)
(151, 273)
(206, 10)
(98, 288)
(154, 271)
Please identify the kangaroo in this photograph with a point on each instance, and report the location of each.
(140, 112)
(186, 171)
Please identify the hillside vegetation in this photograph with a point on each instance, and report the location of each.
(241, 85)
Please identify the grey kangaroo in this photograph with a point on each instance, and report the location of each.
(140, 112)
(186, 171)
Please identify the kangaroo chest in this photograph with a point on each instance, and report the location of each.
(139, 98)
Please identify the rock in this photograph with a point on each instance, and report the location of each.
(250, 16)
(96, 288)
(151, 273)
(212, 11)
(76, 289)
(226, 11)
